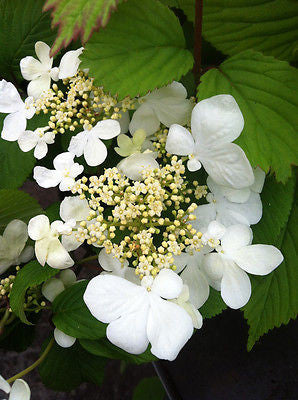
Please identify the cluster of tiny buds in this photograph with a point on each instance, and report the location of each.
(149, 222)
(80, 105)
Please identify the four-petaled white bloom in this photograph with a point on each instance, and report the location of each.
(64, 174)
(227, 212)
(133, 165)
(167, 105)
(215, 123)
(227, 268)
(137, 316)
(38, 139)
(19, 111)
(12, 245)
(48, 248)
(18, 391)
(89, 142)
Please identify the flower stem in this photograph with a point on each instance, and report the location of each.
(4, 320)
(34, 365)
(198, 40)
(83, 260)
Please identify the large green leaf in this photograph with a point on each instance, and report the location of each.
(22, 25)
(72, 316)
(142, 48)
(148, 389)
(78, 17)
(266, 92)
(274, 299)
(269, 26)
(15, 204)
(65, 369)
(30, 275)
(102, 347)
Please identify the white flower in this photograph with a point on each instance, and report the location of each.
(19, 111)
(137, 316)
(63, 175)
(73, 209)
(133, 165)
(227, 268)
(48, 248)
(39, 72)
(215, 123)
(12, 245)
(88, 142)
(183, 301)
(167, 105)
(226, 212)
(38, 139)
(69, 63)
(62, 339)
(18, 391)
(54, 286)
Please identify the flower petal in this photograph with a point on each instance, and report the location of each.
(235, 286)
(173, 110)
(106, 129)
(167, 284)
(169, 327)
(46, 177)
(62, 339)
(144, 118)
(181, 261)
(52, 288)
(95, 151)
(39, 227)
(20, 391)
(216, 120)
(236, 237)
(27, 141)
(41, 250)
(124, 121)
(10, 100)
(108, 297)
(197, 284)
(69, 63)
(205, 214)
(179, 141)
(26, 255)
(31, 68)
(39, 85)
(40, 150)
(258, 259)
(13, 126)
(66, 184)
(72, 207)
(42, 51)
(4, 385)
(68, 277)
(133, 165)
(78, 143)
(58, 257)
(110, 263)
(63, 161)
(213, 265)
(193, 164)
(227, 165)
(16, 235)
(70, 242)
(258, 184)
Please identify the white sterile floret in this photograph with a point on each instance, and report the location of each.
(167, 105)
(133, 165)
(69, 63)
(19, 111)
(56, 285)
(77, 210)
(137, 316)
(227, 212)
(18, 391)
(39, 72)
(12, 245)
(38, 139)
(48, 248)
(227, 269)
(215, 123)
(64, 174)
(89, 144)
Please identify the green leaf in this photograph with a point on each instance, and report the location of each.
(104, 348)
(142, 48)
(266, 92)
(213, 306)
(148, 389)
(17, 336)
(53, 211)
(15, 204)
(78, 18)
(65, 369)
(30, 275)
(274, 299)
(22, 25)
(72, 316)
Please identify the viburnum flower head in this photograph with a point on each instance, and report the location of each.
(227, 268)
(37, 140)
(167, 105)
(137, 316)
(12, 245)
(48, 248)
(18, 391)
(40, 72)
(215, 123)
(19, 111)
(64, 174)
(89, 143)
